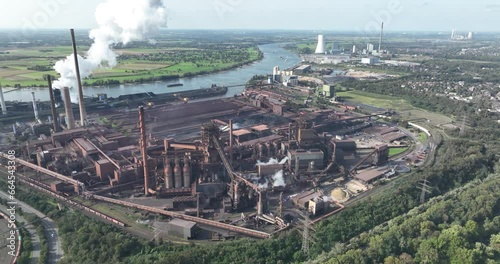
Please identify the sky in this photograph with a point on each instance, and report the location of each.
(358, 15)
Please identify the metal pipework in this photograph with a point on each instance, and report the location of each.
(83, 113)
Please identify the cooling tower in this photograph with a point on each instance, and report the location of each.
(321, 49)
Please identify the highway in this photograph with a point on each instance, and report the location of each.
(51, 231)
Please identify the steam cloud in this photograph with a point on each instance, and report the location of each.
(120, 21)
(272, 162)
(278, 179)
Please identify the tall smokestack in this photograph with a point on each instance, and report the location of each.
(52, 104)
(380, 41)
(2, 101)
(142, 125)
(35, 108)
(231, 142)
(83, 113)
(68, 107)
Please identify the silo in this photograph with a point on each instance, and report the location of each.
(169, 177)
(186, 171)
(178, 174)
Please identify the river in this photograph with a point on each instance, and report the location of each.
(274, 55)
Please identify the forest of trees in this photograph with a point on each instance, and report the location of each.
(462, 226)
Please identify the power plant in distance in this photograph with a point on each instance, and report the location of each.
(321, 48)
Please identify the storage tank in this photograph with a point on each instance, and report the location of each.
(186, 171)
(169, 177)
(270, 149)
(277, 147)
(178, 174)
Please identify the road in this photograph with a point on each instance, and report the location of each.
(35, 239)
(51, 231)
(4, 251)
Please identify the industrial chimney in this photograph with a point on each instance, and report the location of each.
(35, 108)
(2, 101)
(142, 124)
(68, 107)
(321, 49)
(83, 112)
(52, 104)
(380, 41)
(231, 142)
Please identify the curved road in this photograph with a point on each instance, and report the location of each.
(50, 229)
(4, 230)
(35, 239)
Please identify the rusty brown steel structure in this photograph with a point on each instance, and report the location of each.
(79, 186)
(236, 229)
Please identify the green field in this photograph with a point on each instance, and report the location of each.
(376, 100)
(27, 67)
(406, 111)
(422, 137)
(396, 151)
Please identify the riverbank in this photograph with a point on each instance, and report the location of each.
(272, 55)
(28, 68)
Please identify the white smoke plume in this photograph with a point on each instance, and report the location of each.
(278, 179)
(327, 198)
(272, 161)
(264, 185)
(120, 21)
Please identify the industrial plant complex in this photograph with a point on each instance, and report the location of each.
(251, 165)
